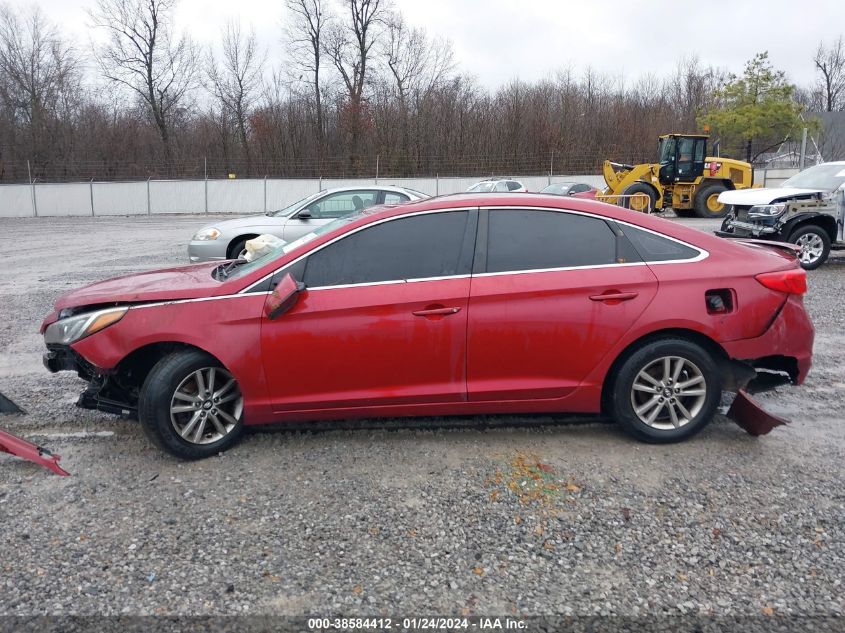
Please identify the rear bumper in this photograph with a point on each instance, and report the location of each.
(785, 347)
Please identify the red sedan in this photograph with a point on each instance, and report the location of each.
(465, 304)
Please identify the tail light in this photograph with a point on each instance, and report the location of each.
(792, 282)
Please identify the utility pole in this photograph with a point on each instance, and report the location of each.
(32, 189)
(803, 156)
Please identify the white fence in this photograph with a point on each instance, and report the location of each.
(232, 196)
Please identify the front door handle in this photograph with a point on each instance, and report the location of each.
(436, 312)
(615, 296)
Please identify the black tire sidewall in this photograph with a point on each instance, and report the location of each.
(639, 187)
(235, 248)
(154, 405)
(619, 403)
(700, 203)
(803, 230)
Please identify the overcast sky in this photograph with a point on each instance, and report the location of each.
(498, 40)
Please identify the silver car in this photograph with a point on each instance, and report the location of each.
(225, 239)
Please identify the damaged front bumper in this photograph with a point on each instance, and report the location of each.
(103, 392)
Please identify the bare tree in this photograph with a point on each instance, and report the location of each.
(830, 62)
(305, 33)
(416, 65)
(349, 47)
(236, 80)
(144, 55)
(39, 76)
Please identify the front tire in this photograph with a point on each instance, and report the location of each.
(666, 391)
(237, 248)
(643, 200)
(815, 246)
(191, 406)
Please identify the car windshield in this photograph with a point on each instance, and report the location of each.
(482, 187)
(827, 177)
(293, 208)
(286, 248)
(559, 188)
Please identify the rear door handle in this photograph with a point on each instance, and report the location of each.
(436, 311)
(615, 296)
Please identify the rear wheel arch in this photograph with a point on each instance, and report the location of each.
(716, 351)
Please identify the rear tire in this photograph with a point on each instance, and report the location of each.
(636, 204)
(665, 391)
(815, 245)
(706, 203)
(190, 406)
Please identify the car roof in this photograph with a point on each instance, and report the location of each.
(369, 188)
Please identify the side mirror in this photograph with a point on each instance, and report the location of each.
(305, 214)
(283, 297)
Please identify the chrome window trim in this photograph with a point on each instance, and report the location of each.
(560, 269)
(392, 282)
(352, 232)
(702, 253)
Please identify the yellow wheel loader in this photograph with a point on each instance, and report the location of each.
(685, 180)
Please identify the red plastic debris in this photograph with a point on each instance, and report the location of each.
(27, 450)
(749, 414)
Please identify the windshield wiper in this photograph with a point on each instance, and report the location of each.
(224, 270)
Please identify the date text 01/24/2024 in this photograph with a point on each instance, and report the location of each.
(416, 624)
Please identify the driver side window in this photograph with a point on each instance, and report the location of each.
(415, 247)
(342, 203)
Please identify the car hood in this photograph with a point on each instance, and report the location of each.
(168, 284)
(750, 197)
(250, 221)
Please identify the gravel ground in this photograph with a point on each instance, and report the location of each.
(523, 517)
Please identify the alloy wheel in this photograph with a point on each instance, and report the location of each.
(812, 247)
(668, 393)
(206, 406)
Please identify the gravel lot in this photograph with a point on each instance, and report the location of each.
(526, 516)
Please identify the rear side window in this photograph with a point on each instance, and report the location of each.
(513, 185)
(417, 247)
(532, 240)
(656, 248)
(395, 198)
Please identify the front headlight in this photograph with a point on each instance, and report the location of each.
(208, 233)
(766, 211)
(71, 329)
